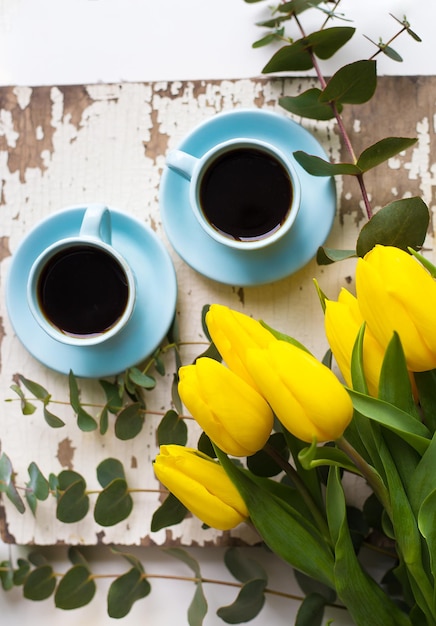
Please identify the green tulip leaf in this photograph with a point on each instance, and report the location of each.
(129, 421)
(382, 151)
(292, 58)
(311, 611)
(170, 512)
(308, 105)
(37, 488)
(7, 484)
(40, 583)
(125, 591)
(288, 533)
(402, 223)
(76, 588)
(243, 568)
(114, 504)
(73, 502)
(108, 470)
(363, 597)
(248, 604)
(279, 335)
(394, 385)
(27, 408)
(326, 256)
(407, 427)
(141, 379)
(428, 528)
(423, 478)
(426, 384)
(424, 262)
(315, 456)
(172, 430)
(354, 83)
(316, 166)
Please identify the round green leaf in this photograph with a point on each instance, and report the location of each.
(354, 83)
(248, 604)
(320, 167)
(77, 588)
(114, 503)
(383, 150)
(292, 58)
(125, 591)
(73, 503)
(308, 105)
(172, 429)
(129, 421)
(242, 567)
(40, 583)
(402, 224)
(141, 379)
(170, 512)
(108, 470)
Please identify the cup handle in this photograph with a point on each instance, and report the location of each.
(96, 223)
(181, 162)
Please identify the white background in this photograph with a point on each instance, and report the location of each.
(88, 41)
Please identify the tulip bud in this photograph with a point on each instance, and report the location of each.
(396, 293)
(234, 333)
(202, 485)
(304, 394)
(343, 321)
(232, 414)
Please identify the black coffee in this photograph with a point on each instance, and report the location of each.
(83, 291)
(246, 194)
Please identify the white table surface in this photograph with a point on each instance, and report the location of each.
(89, 41)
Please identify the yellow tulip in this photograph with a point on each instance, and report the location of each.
(232, 414)
(234, 333)
(396, 293)
(201, 485)
(343, 321)
(304, 394)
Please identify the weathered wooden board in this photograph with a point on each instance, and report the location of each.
(61, 146)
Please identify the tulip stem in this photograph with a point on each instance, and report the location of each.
(292, 473)
(368, 472)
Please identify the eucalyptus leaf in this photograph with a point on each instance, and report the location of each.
(6, 575)
(326, 42)
(52, 420)
(172, 430)
(85, 421)
(125, 591)
(354, 83)
(175, 396)
(108, 470)
(308, 105)
(311, 611)
(316, 166)
(326, 256)
(198, 607)
(74, 392)
(291, 58)
(309, 585)
(402, 223)
(36, 389)
(242, 567)
(298, 6)
(141, 379)
(76, 557)
(170, 512)
(129, 421)
(27, 408)
(382, 151)
(262, 463)
(392, 54)
(7, 484)
(21, 572)
(37, 488)
(73, 503)
(114, 504)
(394, 385)
(248, 604)
(114, 400)
(76, 588)
(265, 41)
(103, 421)
(40, 583)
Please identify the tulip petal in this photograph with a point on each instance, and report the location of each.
(201, 485)
(305, 395)
(233, 414)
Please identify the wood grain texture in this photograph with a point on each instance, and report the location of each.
(61, 146)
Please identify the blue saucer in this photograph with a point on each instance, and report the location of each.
(154, 308)
(245, 268)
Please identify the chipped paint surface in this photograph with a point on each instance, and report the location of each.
(61, 146)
